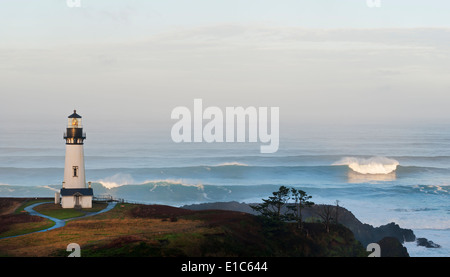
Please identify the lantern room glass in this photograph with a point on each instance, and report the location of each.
(74, 123)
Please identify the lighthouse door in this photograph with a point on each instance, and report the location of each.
(77, 201)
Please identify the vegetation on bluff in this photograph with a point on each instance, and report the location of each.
(132, 230)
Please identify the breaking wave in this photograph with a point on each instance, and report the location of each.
(121, 179)
(232, 163)
(373, 165)
(116, 180)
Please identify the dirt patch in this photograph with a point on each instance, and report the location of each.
(9, 205)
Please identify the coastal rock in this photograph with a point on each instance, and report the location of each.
(394, 230)
(364, 233)
(391, 247)
(427, 243)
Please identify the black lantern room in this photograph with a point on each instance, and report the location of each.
(74, 132)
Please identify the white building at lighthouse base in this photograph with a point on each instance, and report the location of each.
(76, 198)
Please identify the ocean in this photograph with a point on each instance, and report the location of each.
(381, 173)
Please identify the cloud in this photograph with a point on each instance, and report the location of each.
(311, 74)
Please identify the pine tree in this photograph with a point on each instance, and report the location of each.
(301, 200)
(272, 208)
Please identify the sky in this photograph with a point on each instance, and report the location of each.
(133, 62)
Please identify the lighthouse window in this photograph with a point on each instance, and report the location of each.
(75, 171)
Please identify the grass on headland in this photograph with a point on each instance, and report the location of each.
(56, 211)
(27, 227)
(14, 220)
(19, 222)
(30, 202)
(131, 230)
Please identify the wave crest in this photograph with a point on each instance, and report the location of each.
(116, 180)
(232, 164)
(373, 165)
(122, 179)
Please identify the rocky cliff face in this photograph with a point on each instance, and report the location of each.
(391, 247)
(364, 233)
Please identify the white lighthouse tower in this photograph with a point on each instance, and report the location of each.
(74, 193)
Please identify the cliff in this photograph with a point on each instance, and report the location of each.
(364, 233)
(137, 230)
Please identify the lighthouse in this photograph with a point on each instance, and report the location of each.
(74, 193)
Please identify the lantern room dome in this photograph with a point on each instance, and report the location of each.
(74, 115)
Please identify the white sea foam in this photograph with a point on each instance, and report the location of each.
(121, 179)
(168, 182)
(50, 188)
(373, 165)
(438, 236)
(232, 163)
(6, 187)
(116, 180)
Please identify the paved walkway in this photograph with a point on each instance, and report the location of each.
(58, 222)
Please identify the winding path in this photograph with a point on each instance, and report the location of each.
(58, 222)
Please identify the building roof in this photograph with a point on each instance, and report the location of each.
(74, 115)
(82, 191)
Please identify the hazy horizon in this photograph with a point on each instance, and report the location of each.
(132, 62)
